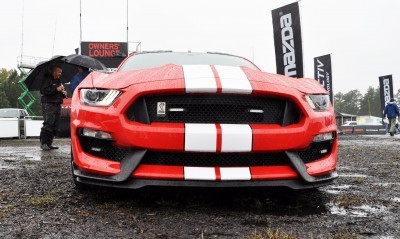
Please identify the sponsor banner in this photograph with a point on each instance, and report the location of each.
(287, 40)
(386, 87)
(111, 54)
(323, 73)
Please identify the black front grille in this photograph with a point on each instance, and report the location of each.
(102, 148)
(214, 108)
(215, 159)
(314, 153)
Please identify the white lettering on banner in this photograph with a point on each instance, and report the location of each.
(289, 58)
(328, 84)
(320, 72)
(386, 90)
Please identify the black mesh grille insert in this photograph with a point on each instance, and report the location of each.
(215, 159)
(105, 149)
(316, 151)
(216, 108)
(102, 148)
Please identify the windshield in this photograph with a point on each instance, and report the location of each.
(157, 59)
(8, 113)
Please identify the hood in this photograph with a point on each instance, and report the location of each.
(120, 80)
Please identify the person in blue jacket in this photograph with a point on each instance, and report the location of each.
(391, 112)
(78, 78)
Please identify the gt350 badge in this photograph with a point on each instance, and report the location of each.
(161, 109)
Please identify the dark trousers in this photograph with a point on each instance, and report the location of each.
(51, 119)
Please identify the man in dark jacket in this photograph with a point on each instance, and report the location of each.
(53, 93)
(391, 112)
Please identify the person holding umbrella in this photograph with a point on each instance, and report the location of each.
(53, 93)
(78, 78)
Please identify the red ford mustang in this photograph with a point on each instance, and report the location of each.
(203, 120)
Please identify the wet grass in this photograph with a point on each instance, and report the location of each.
(344, 234)
(6, 209)
(357, 180)
(349, 200)
(271, 234)
(107, 206)
(82, 213)
(41, 201)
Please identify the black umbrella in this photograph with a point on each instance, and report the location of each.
(34, 80)
(85, 61)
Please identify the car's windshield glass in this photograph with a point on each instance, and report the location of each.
(150, 60)
(8, 113)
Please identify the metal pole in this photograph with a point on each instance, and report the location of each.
(80, 24)
(22, 37)
(127, 23)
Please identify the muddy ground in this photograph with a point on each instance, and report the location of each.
(38, 200)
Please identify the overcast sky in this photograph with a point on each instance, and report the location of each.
(362, 35)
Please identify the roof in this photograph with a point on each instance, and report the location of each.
(337, 113)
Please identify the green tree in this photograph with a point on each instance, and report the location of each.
(349, 103)
(10, 91)
(4, 103)
(9, 86)
(370, 103)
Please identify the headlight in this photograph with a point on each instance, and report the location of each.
(318, 102)
(95, 97)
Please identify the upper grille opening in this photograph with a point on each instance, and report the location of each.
(214, 108)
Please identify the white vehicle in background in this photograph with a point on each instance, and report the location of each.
(350, 123)
(20, 114)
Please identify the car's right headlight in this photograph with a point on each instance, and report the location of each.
(97, 97)
(318, 102)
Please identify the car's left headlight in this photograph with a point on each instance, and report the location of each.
(318, 102)
(97, 97)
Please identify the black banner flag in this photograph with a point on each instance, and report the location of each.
(287, 39)
(111, 54)
(323, 73)
(386, 87)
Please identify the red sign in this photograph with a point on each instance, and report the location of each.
(110, 53)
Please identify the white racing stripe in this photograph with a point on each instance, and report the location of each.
(236, 138)
(199, 173)
(199, 79)
(233, 80)
(235, 173)
(200, 137)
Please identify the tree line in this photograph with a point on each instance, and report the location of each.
(10, 91)
(352, 102)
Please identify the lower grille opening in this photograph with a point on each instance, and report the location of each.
(215, 159)
(107, 150)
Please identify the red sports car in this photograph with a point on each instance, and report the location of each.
(201, 120)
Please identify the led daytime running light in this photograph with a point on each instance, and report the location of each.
(96, 134)
(323, 137)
